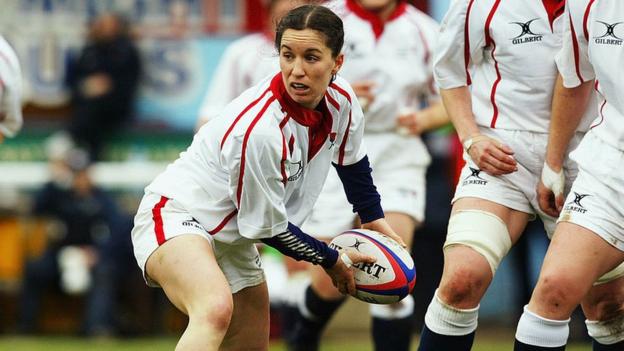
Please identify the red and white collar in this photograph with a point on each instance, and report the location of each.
(318, 121)
(376, 23)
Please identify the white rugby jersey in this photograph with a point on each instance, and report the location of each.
(396, 56)
(263, 161)
(245, 62)
(593, 49)
(506, 50)
(10, 91)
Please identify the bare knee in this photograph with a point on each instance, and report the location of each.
(557, 295)
(464, 287)
(215, 312)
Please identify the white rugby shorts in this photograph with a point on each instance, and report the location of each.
(399, 166)
(159, 219)
(596, 201)
(516, 190)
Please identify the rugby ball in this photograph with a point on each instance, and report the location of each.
(390, 278)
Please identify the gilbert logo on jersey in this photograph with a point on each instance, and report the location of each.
(527, 35)
(609, 37)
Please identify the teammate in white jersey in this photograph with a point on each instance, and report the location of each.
(10, 92)
(245, 63)
(253, 174)
(589, 239)
(388, 63)
(506, 50)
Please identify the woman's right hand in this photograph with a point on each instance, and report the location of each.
(342, 274)
(492, 157)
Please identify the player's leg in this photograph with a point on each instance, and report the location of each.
(249, 328)
(392, 326)
(318, 300)
(576, 258)
(604, 309)
(186, 268)
(316, 306)
(477, 240)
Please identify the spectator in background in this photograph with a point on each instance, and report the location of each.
(103, 82)
(85, 218)
(245, 62)
(10, 91)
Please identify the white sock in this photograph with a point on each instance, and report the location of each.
(537, 331)
(444, 319)
(606, 332)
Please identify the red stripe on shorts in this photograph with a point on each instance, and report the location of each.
(158, 222)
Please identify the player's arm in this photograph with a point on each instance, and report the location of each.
(258, 189)
(461, 43)
(354, 171)
(430, 118)
(362, 194)
(568, 107)
(570, 99)
(434, 115)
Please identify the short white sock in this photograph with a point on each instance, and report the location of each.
(444, 319)
(606, 332)
(537, 331)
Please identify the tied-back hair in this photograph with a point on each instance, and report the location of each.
(318, 18)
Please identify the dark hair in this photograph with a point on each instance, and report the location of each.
(318, 18)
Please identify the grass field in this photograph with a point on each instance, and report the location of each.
(162, 344)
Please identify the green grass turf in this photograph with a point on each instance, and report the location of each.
(158, 344)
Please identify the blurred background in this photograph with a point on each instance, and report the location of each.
(67, 274)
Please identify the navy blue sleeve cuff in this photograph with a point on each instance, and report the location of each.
(300, 246)
(360, 189)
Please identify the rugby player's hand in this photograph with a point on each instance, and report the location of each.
(364, 91)
(381, 225)
(491, 156)
(341, 273)
(550, 190)
(411, 122)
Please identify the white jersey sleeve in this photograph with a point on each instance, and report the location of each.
(256, 183)
(351, 149)
(10, 91)
(573, 58)
(459, 45)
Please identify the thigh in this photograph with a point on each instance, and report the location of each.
(187, 270)
(467, 270)
(515, 220)
(578, 257)
(241, 265)
(249, 328)
(403, 224)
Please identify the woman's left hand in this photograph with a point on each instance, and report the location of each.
(380, 225)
